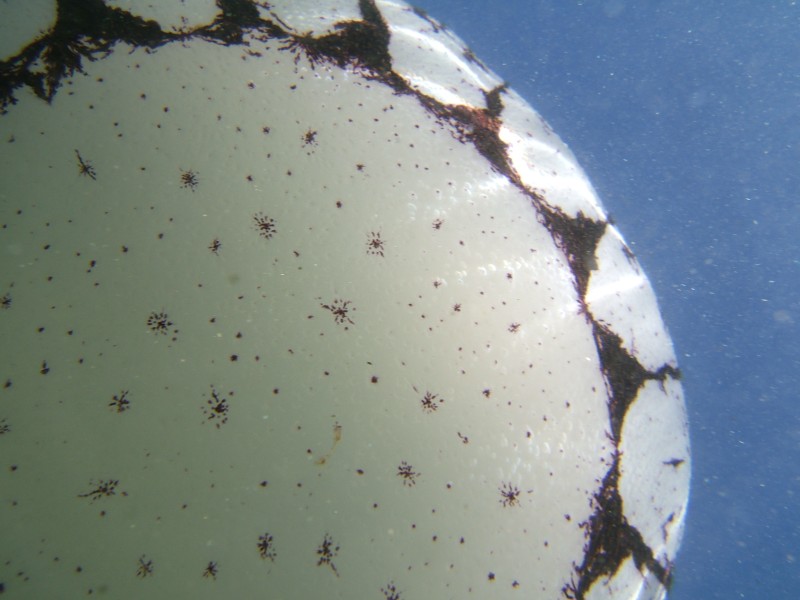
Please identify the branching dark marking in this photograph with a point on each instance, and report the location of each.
(266, 547)
(104, 488)
(611, 540)
(210, 571)
(85, 167)
(326, 552)
(407, 473)
(120, 402)
(145, 567)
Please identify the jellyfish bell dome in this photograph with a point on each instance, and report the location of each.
(299, 296)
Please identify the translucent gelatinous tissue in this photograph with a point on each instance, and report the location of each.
(298, 299)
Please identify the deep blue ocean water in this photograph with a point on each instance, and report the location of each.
(686, 116)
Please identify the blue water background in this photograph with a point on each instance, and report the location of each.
(686, 116)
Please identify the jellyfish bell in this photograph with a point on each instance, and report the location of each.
(300, 297)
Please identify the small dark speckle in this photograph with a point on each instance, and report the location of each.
(215, 246)
(491, 576)
(44, 370)
(374, 379)
(5, 301)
